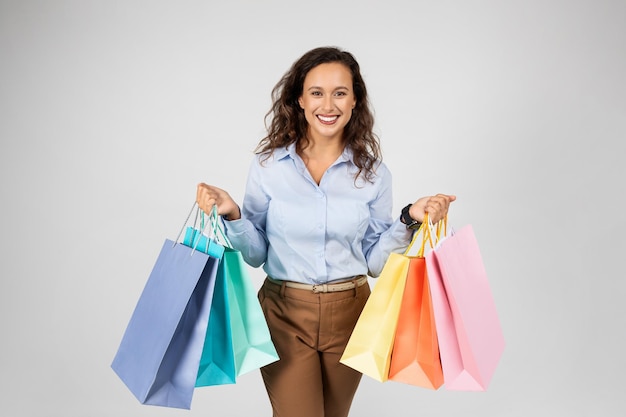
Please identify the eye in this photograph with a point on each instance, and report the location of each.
(316, 93)
(340, 93)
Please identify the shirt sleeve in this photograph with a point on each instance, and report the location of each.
(384, 235)
(247, 234)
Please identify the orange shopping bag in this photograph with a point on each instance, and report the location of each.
(415, 356)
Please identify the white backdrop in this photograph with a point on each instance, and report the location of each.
(112, 111)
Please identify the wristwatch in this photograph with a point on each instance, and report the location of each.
(407, 220)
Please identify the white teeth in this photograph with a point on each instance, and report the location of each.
(327, 119)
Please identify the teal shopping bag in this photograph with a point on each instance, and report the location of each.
(217, 363)
(238, 339)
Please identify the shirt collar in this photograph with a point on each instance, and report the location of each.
(290, 151)
(282, 153)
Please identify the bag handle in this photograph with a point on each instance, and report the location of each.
(226, 240)
(427, 230)
(441, 226)
(216, 227)
(182, 229)
(202, 225)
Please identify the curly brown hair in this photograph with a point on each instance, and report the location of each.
(287, 123)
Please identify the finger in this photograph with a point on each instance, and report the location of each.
(442, 201)
(202, 191)
(436, 208)
(206, 201)
(444, 198)
(434, 205)
(448, 198)
(199, 192)
(207, 207)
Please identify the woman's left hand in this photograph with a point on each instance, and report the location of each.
(436, 206)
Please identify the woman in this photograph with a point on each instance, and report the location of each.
(317, 214)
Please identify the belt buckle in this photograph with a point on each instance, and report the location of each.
(318, 288)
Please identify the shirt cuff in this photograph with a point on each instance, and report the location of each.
(400, 234)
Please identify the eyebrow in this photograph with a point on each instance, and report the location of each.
(315, 87)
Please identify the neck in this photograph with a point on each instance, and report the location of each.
(322, 148)
(317, 157)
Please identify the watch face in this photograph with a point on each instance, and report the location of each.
(414, 225)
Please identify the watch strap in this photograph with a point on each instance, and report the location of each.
(406, 218)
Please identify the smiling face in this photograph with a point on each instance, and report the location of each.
(327, 100)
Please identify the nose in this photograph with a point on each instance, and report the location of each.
(328, 103)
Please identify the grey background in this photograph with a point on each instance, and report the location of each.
(112, 111)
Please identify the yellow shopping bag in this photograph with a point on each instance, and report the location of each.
(371, 343)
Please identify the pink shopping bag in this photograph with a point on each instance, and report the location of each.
(468, 329)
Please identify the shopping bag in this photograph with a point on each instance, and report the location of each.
(159, 354)
(217, 363)
(371, 342)
(415, 357)
(252, 342)
(470, 336)
(238, 339)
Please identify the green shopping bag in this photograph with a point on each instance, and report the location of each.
(251, 337)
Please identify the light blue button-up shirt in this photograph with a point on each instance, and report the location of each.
(304, 232)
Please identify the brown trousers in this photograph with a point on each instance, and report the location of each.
(310, 332)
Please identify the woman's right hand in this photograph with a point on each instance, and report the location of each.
(208, 195)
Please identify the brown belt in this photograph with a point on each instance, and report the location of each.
(357, 281)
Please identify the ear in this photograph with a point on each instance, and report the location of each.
(300, 102)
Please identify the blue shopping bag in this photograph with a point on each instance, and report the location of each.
(159, 355)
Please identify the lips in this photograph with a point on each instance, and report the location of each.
(327, 120)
